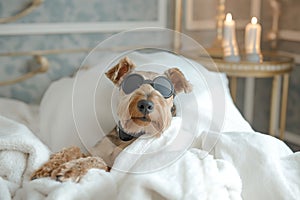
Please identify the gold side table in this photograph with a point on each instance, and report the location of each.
(274, 66)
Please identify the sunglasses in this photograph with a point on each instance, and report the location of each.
(162, 84)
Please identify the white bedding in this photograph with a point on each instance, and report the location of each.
(268, 168)
(243, 164)
(249, 164)
(21, 112)
(190, 177)
(21, 152)
(161, 173)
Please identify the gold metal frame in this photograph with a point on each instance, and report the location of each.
(273, 33)
(284, 98)
(39, 56)
(44, 65)
(220, 23)
(67, 51)
(241, 69)
(177, 27)
(34, 4)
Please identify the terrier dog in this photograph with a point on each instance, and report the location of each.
(145, 108)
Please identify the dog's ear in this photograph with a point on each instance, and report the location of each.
(179, 81)
(116, 73)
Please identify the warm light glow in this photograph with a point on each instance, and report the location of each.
(228, 17)
(254, 20)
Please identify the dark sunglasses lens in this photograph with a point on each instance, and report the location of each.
(131, 83)
(164, 86)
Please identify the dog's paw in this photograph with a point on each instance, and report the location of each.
(67, 154)
(76, 169)
(46, 169)
(56, 160)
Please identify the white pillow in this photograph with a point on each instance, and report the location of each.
(20, 112)
(61, 127)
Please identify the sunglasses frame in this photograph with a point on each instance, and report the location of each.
(150, 82)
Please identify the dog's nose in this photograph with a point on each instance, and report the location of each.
(145, 106)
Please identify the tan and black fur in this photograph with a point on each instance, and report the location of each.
(71, 164)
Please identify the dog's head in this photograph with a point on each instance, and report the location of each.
(146, 98)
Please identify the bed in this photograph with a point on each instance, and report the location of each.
(239, 164)
(234, 162)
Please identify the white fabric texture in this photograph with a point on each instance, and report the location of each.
(20, 154)
(174, 172)
(21, 112)
(190, 177)
(96, 184)
(267, 167)
(56, 107)
(17, 142)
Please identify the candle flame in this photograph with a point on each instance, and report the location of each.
(228, 17)
(254, 20)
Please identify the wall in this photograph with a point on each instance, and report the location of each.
(58, 11)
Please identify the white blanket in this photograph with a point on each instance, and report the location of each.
(168, 169)
(20, 154)
(21, 112)
(190, 176)
(268, 168)
(96, 184)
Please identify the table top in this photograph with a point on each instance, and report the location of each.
(271, 65)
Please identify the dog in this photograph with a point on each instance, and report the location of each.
(145, 108)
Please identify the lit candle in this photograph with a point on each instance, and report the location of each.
(252, 41)
(230, 48)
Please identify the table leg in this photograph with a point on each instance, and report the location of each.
(274, 112)
(249, 99)
(233, 87)
(284, 99)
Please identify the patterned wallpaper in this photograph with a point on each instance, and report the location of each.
(55, 11)
(61, 65)
(83, 11)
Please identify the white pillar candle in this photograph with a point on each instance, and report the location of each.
(252, 40)
(230, 48)
(252, 36)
